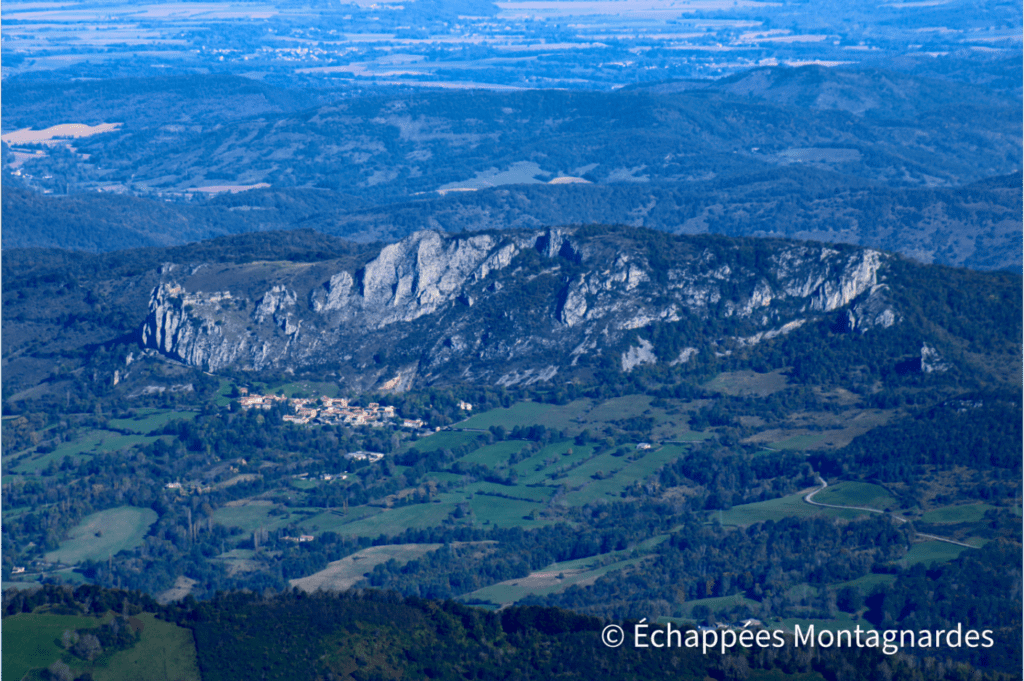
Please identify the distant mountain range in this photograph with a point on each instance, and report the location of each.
(918, 165)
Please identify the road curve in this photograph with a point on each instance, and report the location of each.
(809, 498)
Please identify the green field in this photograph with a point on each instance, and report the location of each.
(627, 474)
(89, 442)
(253, 516)
(748, 383)
(305, 389)
(105, 533)
(519, 414)
(29, 640)
(868, 583)
(147, 420)
(929, 552)
(343, 574)
(544, 582)
(333, 520)
(396, 520)
(784, 507)
(968, 513)
(856, 494)
(494, 456)
(537, 469)
(535, 494)
(801, 442)
(165, 651)
(446, 439)
(505, 512)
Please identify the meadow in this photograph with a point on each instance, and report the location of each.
(967, 513)
(145, 421)
(164, 652)
(103, 534)
(857, 494)
(783, 507)
(343, 574)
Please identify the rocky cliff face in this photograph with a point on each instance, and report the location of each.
(507, 308)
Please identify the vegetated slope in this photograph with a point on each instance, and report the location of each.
(194, 101)
(60, 307)
(398, 144)
(94, 222)
(976, 226)
(382, 635)
(867, 92)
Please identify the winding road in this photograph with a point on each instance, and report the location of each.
(809, 498)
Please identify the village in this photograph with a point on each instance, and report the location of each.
(331, 411)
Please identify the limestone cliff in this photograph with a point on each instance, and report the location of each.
(509, 307)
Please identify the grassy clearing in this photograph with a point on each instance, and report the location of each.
(165, 652)
(932, 552)
(396, 520)
(549, 461)
(748, 383)
(856, 494)
(496, 455)
(446, 439)
(544, 582)
(147, 420)
(969, 513)
(101, 534)
(505, 512)
(90, 442)
(333, 520)
(519, 414)
(30, 640)
(801, 442)
(620, 474)
(535, 494)
(253, 515)
(343, 574)
(792, 506)
(868, 583)
(305, 389)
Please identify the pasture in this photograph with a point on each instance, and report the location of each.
(519, 414)
(544, 582)
(930, 552)
(801, 442)
(857, 494)
(446, 439)
(334, 519)
(496, 455)
(967, 513)
(748, 383)
(868, 583)
(146, 421)
(390, 522)
(792, 506)
(254, 514)
(164, 652)
(342, 574)
(501, 512)
(87, 443)
(30, 640)
(102, 534)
